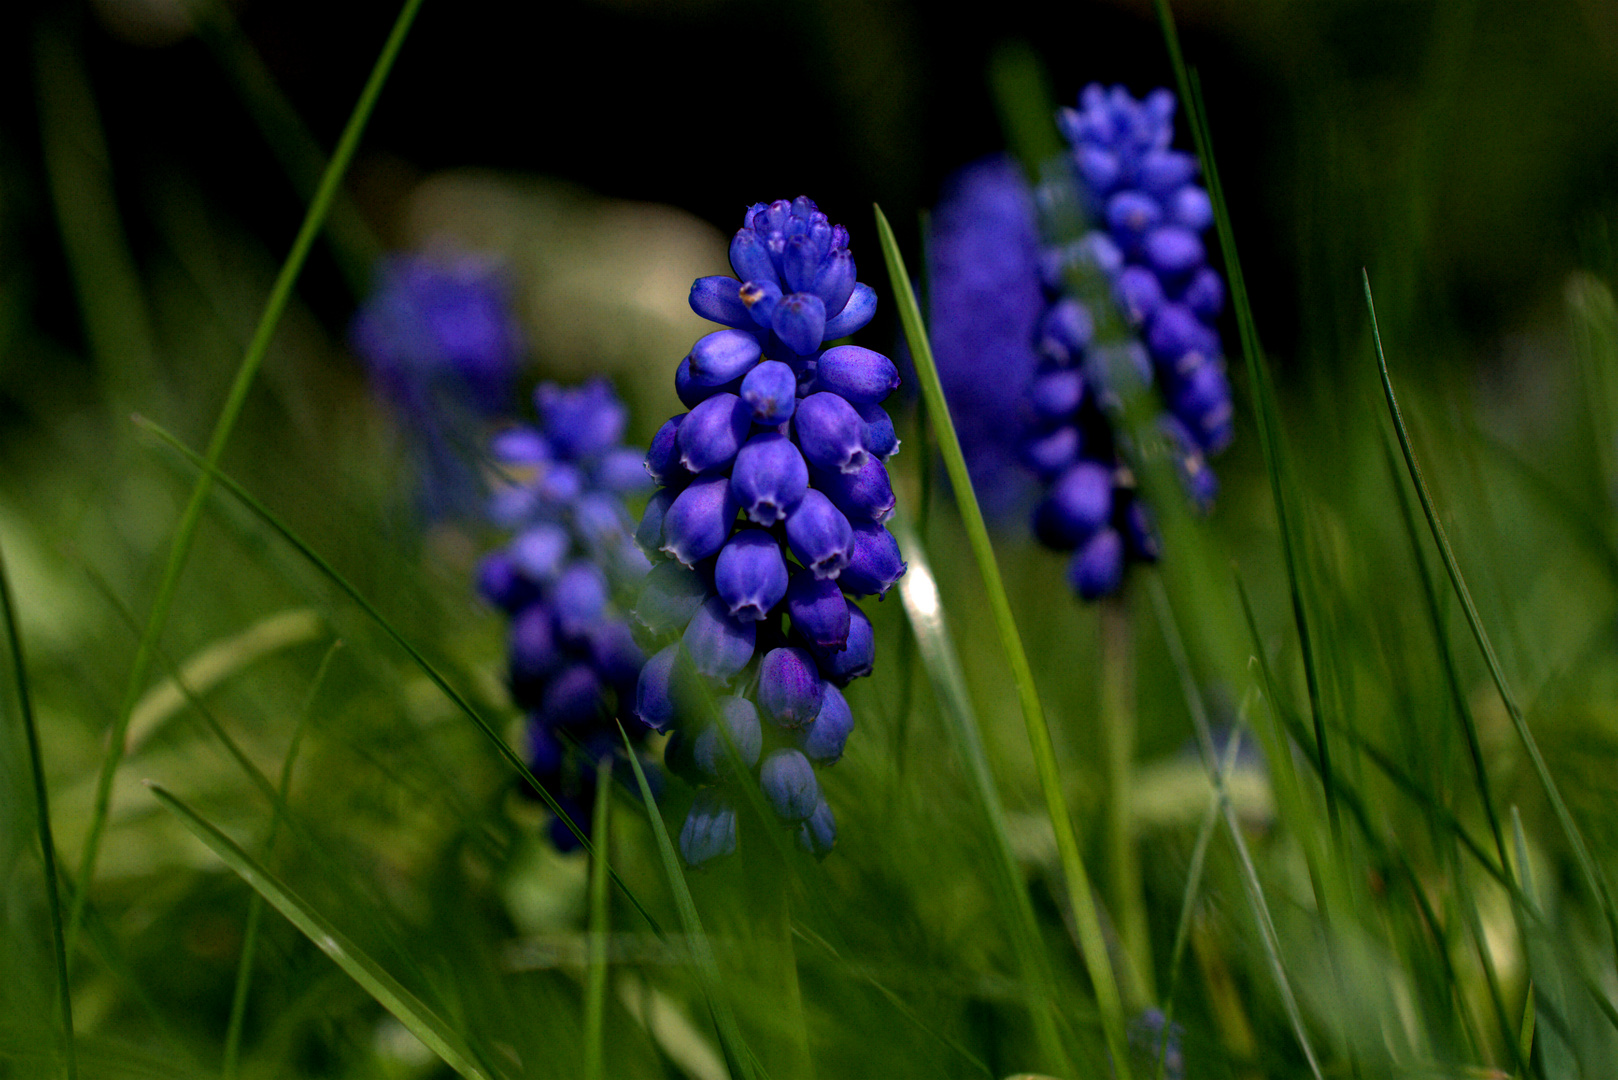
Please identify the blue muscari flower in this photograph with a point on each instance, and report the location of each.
(441, 345)
(1150, 1042)
(574, 662)
(772, 497)
(1000, 316)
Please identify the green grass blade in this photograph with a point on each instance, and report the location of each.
(185, 532)
(1581, 852)
(1080, 895)
(42, 822)
(918, 590)
(456, 698)
(595, 980)
(410, 1011)
(738, 1057)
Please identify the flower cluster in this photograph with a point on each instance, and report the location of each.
(1151, 214)
(773, 494)
(441, 346)
(574, 662)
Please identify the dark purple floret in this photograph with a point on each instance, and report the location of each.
(789, 784)
(818, 835)
(822, 741)
(751, 575)
(740, 719)
(770, 478)
(720, 646)
(818, 611)
(709, 830)
(789, 687)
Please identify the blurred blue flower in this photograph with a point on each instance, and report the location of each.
(1150, 1042)
(574, 662)
(790, 435)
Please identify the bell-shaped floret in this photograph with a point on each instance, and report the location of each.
(863, 495)
(859, 311)
(579, 598)
(760, 299)
(799, 320)
(667, 689)
(1173, 252)
(649, 533)
(751, 575)
(720, 646)
(823, 740)
(1055, 394)
(583, 421)
(719, 298)
(789, 687)
(669, 596)
(663, 458)
(709, 831)
(819, 535)
(789, 784)
(722, 356)
(713, 432)
(818, 611)
(834, 280)
(830, 433)
(698, 521)
(880, 437)
(860, 375)
(818, 835)
(856, 659)
(1097, 567)
(769, 479)
(1079, 503)
(540, 551)
(874, 564)
(739, 718)
(1050, 453)
(771, 391)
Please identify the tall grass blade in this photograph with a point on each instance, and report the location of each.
(455, 697)
(595, 979)
(257, 349)
(738, 1058)
(42, 822)
(1581, 852)
(1080, 895)
(918, 589)
(410, 1011)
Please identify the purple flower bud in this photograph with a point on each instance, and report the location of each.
(760, 298)
(572, 698)
(579, 598)
(722, 356)
(874, 566)
(1065, 330)
(669, 596)
(538, 552)
(1206, 294)
(771, 391)
(545, 751)
(751, 259)
(666, 690)
(582, 421)
(818, 835)
(503, 584)
(520, 446)
(1050, 454)
(1139, 536)
(712, 432)
(709, 831)
(533, 651)
(1162, 171)
(719, 298)
(1173, 251)
(866, 495)
(1079, 503)
(1191, 209)
(698, 522)
(860, 375)
(1201, 485)
(614, 654)
(769, 478)
(751, 575)
(622, 471)
(818, 611)
(1179, 339)
(789, 687)
(1202, 402)
(1055, 395)
(1139, 293)
(691, 393)
(789, 784)
(649, 533)
(879, 436)
(1097, 567)
(854, 660)
(854, 316)
(799, 262)
(1130, 214)
(823, 740)
(708, 751)
(600, 521)
(799, 320)
(663, 458)
(830, 433)
(819, 535)
(720, 646)
(834, 281)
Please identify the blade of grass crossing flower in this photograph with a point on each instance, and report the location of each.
(42, 823)
(255, 908)
(738, 1058)
(1593, 880)
(1080, 895)
(458, 699)
(191, 517)
(918, 590)
(410, 1011)
(595, 977)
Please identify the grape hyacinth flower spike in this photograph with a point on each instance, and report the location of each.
(574, 662)
(441, 346)
(768, 523)
(1148, 216)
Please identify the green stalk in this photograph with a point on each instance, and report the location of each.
(1125, 897)
(42, 816)
(1080, 896)
(185, 534)
(595, 979)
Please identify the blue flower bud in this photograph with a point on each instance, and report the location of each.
(622, 471)
(818, 835)
(1139, 293)
(834, 280)
(769, 478)
(1050, 454)
(823, 740)
(789, 687)
(708, 751)
(583, 421)
(799, 262)
(874, 565)
(709, 831)
(1055, 395)
(1179, 339)
(1130, 214)
(830, 433)
(760, 299)
(1065, 330)
(860, 310)
(663, 458)
(698, 522)
(666, 690)
(817, 609)
(1097, 567)
(1173, 251)
(879, 436)
(1191, 209)
(799, 320)
(600, 521)
(520, 446)
(771, 390)
(614, 654)
(1139, 536)
(719, 299)
(579, 597)
(856, 659)
(712, 432)
(1079, 503)
(692, 393)
(722, 356)
(1202, 402)
(1205, 296)
(539, 551)
(789, 784)
(866, 495)
(649, 533)
(720, 646)
(750, 258)
(819, 535)
(533, 651)
(751, 575)
(1162, 171)
(669, 596)
(503, 584)
(572, 698)
(545, 751)
(860, 375)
